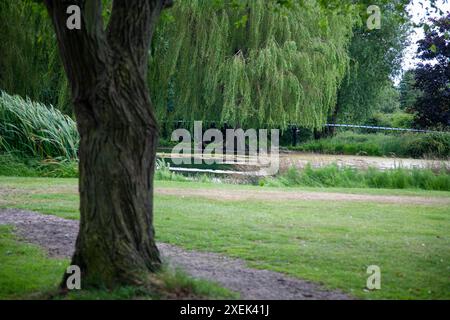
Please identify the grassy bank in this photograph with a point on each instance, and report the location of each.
(25, 269)
(27, 273)
(408, 145)
(331, 242)
(334, 176)
(19, 166)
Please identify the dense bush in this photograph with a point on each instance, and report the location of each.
(35, 130)
(402, 120)
(345, 177)
(392, 120)
(421, 145)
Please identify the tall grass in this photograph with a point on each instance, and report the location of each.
(11, 165)
(32, 129)
(163, 173)
(345, 177)
(421, 145)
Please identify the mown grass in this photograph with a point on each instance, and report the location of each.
(408, 145)
(27, 273)
(60, 196)
(325, 241)
(25, 269)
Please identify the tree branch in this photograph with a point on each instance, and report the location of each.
(131, 27)
(83, 52)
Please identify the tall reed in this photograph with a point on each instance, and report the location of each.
(33, 129)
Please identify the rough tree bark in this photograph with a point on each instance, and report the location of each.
(107, 72)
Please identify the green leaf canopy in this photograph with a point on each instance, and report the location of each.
(249, 64)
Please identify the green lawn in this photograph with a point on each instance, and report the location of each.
(25, 269)
(331, 242)
(27, 273)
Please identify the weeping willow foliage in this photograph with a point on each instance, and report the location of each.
(29, 58)
(249, 65)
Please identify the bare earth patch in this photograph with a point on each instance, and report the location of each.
(274, 195)
(57, 236)
(8, 192)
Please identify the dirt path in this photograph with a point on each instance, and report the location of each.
(58, 235)
(263, 194)
(274, 195)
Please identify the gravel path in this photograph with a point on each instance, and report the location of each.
(58, 235)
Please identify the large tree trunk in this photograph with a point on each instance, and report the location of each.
(116, 238)
(107, 73)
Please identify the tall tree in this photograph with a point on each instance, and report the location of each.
(432, 108)
(408, 92)
(375, 58)
(107, 72)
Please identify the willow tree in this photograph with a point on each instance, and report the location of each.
(107, 71)
(250, 63)
(240, 64)
(29, 60)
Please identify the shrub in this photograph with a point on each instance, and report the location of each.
(392, 120)
(402, 120)
(435, 145)
(380, 119)
(415, 145)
